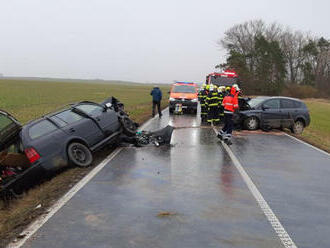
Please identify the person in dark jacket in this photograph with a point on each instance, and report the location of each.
(156, 99)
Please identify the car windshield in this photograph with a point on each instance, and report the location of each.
(184, 89)
(255, 102)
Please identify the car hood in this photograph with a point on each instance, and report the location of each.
(184, 95)
(9, 129)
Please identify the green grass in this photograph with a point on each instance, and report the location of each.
(27, 100)
(318, 133)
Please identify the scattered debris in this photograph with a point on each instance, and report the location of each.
(39, 206)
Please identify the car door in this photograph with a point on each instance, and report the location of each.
(9, 129)
(271, 115)
(77, 125)
(106, 119)
(288, 111)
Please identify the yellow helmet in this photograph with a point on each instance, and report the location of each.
(207, 87)
(228, 88)
(203, 85)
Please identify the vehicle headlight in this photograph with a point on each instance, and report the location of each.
(172, 99)
(194, 100)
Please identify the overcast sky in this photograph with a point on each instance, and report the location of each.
(141, 40)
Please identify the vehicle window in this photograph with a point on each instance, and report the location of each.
(297, 104)
(68, 116)
(90, 109)
(286, 103)
(41, 128)
(58, 121)
(184, 89)
(255, 102)
(4, 122)
(272, 104)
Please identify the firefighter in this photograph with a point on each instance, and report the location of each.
(221, 91)
(202, 96)
(230, 104)
(227, 91)
(212, 103)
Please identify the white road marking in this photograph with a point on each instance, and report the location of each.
(274, 221)
(303, 142)
(41, 220)
(38, 223)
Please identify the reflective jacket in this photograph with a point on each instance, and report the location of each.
(212, 99)
(230, 102)
(203, 95)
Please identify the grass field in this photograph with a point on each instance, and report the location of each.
(27, 100)
(318, 133)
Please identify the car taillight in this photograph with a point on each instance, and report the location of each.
(32, 154)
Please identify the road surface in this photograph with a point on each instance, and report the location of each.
(266, 190)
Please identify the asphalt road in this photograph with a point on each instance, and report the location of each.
(194, 194)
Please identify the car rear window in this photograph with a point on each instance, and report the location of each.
(184, 89)
(41, 128)
(285, 103)
(68, 117)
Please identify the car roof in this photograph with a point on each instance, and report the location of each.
(281, 97)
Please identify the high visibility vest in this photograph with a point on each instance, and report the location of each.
(230, 103)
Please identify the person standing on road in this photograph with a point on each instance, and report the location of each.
(203, 95)
(156, 94)
(221, 90)
(230, 104)
(212, 103)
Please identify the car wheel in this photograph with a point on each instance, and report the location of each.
(251, 123)
(298, 127)
(129, 126)
(79, 155)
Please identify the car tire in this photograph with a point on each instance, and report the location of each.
(129, 126)
(251, 123)
(79, 154)
(298, 127)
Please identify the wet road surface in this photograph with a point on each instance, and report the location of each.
(191, 195)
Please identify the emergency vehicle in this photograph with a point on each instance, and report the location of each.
(226, 78)
(184, 95)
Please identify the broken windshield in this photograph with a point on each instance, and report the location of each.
(254, 102)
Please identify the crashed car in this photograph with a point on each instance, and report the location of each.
(267, 112)
(68, 136)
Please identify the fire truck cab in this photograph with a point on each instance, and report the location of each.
(226, 78)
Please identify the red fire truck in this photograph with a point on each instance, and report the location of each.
(226, 78)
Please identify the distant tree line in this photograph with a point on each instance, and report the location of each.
(272, 59)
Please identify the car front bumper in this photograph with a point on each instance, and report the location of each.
(185, 104)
